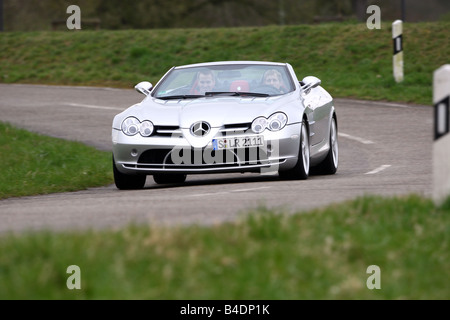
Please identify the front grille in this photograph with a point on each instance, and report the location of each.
(167, 131)
(201, 157)
(171, 131)
(239, 127)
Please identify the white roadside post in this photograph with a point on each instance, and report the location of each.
(397, 60)
(441, 146)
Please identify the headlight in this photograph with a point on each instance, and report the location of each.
(131, 126)
(259, 125)
(146, 128)
(276, 122)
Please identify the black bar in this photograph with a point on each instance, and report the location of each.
(446, 102)
(238, 309)
(395, 44)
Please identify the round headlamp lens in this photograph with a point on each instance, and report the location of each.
(130, 126)
(259, 125)
(146, 128)
(274, 125)
(277, 121)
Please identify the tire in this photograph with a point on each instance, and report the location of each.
(162, 178)
(330, 164)
(127, 181)
(301, 169)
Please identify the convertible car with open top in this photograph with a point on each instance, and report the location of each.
(229, 116)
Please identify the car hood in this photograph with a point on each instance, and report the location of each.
(217, 111)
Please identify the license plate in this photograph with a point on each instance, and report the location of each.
(238, 142)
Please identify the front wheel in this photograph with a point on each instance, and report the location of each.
(301, 169)
(330, 164)
(126, 181)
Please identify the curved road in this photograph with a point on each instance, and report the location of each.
(385, 149)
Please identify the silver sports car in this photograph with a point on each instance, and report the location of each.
(231, 116)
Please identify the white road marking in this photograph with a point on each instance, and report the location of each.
(396, 105)
(358, 103)
(225, 192)
(384, 166)
(92, 106)
(207, 194)
(361, 140)
(250, 189)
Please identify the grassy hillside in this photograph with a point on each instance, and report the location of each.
(351, 60)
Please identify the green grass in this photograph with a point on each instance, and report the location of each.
(36, 164)
(321, 254)
(351, 60)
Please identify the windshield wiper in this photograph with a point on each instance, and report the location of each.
(184, 96)
(236, 93)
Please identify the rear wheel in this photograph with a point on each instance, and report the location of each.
(301, 169)
(162, 178)
(126, 181)
(330, 164)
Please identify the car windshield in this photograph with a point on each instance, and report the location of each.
(256, 80)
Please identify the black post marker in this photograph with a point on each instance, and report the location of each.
(397, 60)
(441, 145)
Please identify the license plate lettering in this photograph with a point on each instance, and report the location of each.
(238, 142)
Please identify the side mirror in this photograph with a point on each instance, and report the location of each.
(144, 87)
(310, 82)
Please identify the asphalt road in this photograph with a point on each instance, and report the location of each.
(385, 149)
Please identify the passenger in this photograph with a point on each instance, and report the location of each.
(273, 78)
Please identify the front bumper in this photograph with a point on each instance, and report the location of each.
(174, 154)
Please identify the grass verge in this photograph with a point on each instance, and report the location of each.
(37, 164)
(321, 254)
(351, 60)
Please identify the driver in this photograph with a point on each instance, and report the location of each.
(205, 81)
(273, 78)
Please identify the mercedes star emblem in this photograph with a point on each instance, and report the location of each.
(200, 128)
